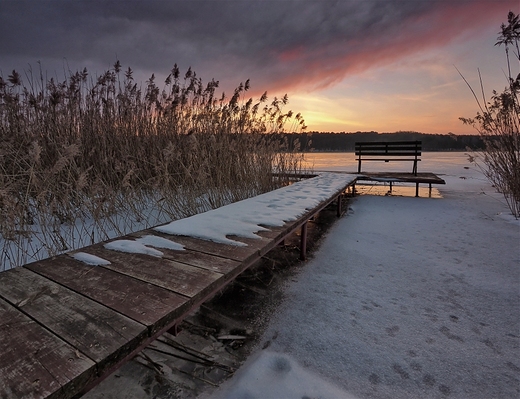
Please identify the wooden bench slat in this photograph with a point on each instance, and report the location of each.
(390, 154)
(32, 360)
(382, 158)
(390, 143)
(95, 330)
(146, 303)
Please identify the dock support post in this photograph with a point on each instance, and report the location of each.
(303, 242)
(338, 208)
(416, 189)
(430, 190)
(174, 330)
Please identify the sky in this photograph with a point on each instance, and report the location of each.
(346, 65)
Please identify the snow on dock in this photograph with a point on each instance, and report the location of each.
(69, 321)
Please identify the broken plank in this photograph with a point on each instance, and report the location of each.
(95, 330)
(35, 363)
(146, 303)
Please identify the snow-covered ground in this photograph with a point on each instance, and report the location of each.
(405, 298)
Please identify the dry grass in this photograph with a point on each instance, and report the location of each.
(498, 123)
(86, 159)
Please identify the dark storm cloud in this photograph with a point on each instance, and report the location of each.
(275, 43)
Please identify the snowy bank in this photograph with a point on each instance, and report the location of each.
(405, 298)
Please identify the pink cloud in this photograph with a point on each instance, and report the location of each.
(308, 68)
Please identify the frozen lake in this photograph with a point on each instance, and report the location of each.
(435, 162)
(443, 164)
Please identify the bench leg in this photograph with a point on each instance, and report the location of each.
(303, 242)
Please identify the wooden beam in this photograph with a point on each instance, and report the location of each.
(303, 242)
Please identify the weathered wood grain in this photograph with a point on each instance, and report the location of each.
(178, 277)
(146, 303)
(95, 330)
(425, 177)
(240, 254)
(34, 363)
(204, 260)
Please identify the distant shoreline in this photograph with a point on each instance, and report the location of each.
(345, 142)
(352, 152)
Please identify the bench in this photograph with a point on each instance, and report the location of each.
(389, 151)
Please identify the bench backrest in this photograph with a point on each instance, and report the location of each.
(384, 149)
(389, 148)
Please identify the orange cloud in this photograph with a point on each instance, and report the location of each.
(308, 68)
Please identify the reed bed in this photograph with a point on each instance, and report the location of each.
(86, 158)
(498, 122)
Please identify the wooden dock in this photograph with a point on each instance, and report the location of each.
(389, 177)
(66, 325)
(399, 177)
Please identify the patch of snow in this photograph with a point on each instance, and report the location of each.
(132, 247)
(160, 242)
(89, 259)
(246, 218)
(508, 217)
(273, 375)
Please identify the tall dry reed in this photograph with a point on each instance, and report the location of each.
(498, 122)
(89, 158)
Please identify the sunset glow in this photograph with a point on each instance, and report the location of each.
(346, 65)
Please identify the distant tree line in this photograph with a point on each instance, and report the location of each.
(344, 142)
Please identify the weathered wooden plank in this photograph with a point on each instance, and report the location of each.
(388, 143)
(204, 260)
(97, 331)
(238, 253)
(146, 303)
(34, 363)
(425, 177)
(383, 153)
(178, 277)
